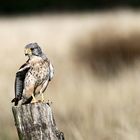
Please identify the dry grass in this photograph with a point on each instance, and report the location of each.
(86, 105)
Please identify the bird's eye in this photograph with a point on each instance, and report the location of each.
(32, 49)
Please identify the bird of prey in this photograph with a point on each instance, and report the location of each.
(33, 77)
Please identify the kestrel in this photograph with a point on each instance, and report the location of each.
(33, 77)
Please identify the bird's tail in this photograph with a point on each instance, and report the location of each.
(27, 101)
(17, 99)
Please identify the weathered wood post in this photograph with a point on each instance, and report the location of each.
(36, 122)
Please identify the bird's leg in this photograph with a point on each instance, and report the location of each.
(42, 97)
(34, 99)
(43, 89)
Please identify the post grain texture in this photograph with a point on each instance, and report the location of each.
(36, 122)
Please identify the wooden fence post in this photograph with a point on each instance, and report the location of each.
(36, 122)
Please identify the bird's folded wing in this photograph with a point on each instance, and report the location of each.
(19, 82)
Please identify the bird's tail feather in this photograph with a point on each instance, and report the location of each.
(27, 101)
(16, 100)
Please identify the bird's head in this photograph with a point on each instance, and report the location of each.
(33, 49)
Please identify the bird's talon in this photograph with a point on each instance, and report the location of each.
(33, 102)
(43, 101)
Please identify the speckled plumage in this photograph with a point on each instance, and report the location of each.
(33, 77)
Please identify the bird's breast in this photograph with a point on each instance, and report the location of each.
(40, 72)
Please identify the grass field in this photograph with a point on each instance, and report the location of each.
(95, 91)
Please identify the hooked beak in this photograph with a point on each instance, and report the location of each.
(28, 51)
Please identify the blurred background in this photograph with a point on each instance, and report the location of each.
(95, 49)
